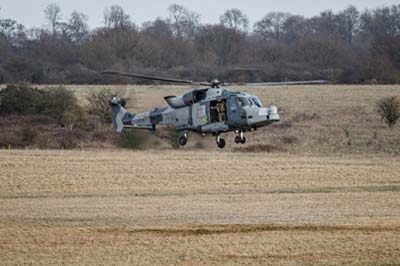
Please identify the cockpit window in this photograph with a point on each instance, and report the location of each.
(256, 101)
(243, 101)
(251, 102)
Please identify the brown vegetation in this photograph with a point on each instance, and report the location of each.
(349, 46)
(314, 119)
(389, 109)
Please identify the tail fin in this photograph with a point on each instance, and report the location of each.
(120, 116)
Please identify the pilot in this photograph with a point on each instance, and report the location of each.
(220, 107)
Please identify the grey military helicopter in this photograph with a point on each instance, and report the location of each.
(211, 110)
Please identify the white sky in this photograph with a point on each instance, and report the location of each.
(30, 12)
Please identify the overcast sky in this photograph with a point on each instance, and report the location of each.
(30, 12)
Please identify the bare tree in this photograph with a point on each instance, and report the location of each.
(184, 22)
(294, 28)
(235, 19)
(158, 28)
(78, 27)
(53, 16)
(115, 17)
(326, 22)
(381, 22)
(10, 28)
(219, 43)
(350, 17)
(271, 26)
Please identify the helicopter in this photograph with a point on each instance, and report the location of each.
(211, 110)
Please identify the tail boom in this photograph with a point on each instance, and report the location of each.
(120, 117)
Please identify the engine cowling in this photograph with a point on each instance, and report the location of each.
(175, 101)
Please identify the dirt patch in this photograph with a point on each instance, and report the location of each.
(260, 148)
(249, 228)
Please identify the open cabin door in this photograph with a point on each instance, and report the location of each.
(233, 110)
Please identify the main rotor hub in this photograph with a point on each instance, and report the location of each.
(215, 83)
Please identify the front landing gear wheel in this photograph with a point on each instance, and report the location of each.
(243, 140)
(221, 143)
(182, 140)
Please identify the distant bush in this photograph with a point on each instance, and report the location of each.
(389, 109)
(58, 103)
(28, 135)
(25, 69)
(22, 100)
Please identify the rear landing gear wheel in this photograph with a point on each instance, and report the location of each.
(221, 143)
(182, 140)
(238, 140)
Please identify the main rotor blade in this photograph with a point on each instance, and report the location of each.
(304, 82)
(132, 75)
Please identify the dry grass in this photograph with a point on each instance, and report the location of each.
(329, 119)
(195, 208)
(319, 120)
(320, 188)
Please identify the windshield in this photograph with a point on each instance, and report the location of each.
(256, 101)
(243, 101)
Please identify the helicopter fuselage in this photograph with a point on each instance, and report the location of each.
(205, 111)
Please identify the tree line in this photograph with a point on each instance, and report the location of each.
(350, 46)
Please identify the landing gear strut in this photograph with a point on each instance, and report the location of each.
(220, 142)
(241, 139)
(183, 139)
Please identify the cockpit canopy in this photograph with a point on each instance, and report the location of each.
(249, 101)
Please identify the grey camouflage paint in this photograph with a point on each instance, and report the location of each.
(192, 112)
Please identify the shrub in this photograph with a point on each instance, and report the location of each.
(133, 139)
(21, 100)
(389, 110)
(59, 102)
(54, 102)
(68, 141)
(28, 135)
(74, 118)
(98, 103)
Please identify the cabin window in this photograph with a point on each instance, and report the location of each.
(199, 95)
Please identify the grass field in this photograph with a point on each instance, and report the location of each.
(319, 120)
(195, 208)
(322, 187)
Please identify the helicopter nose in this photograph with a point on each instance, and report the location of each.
(273, 114)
